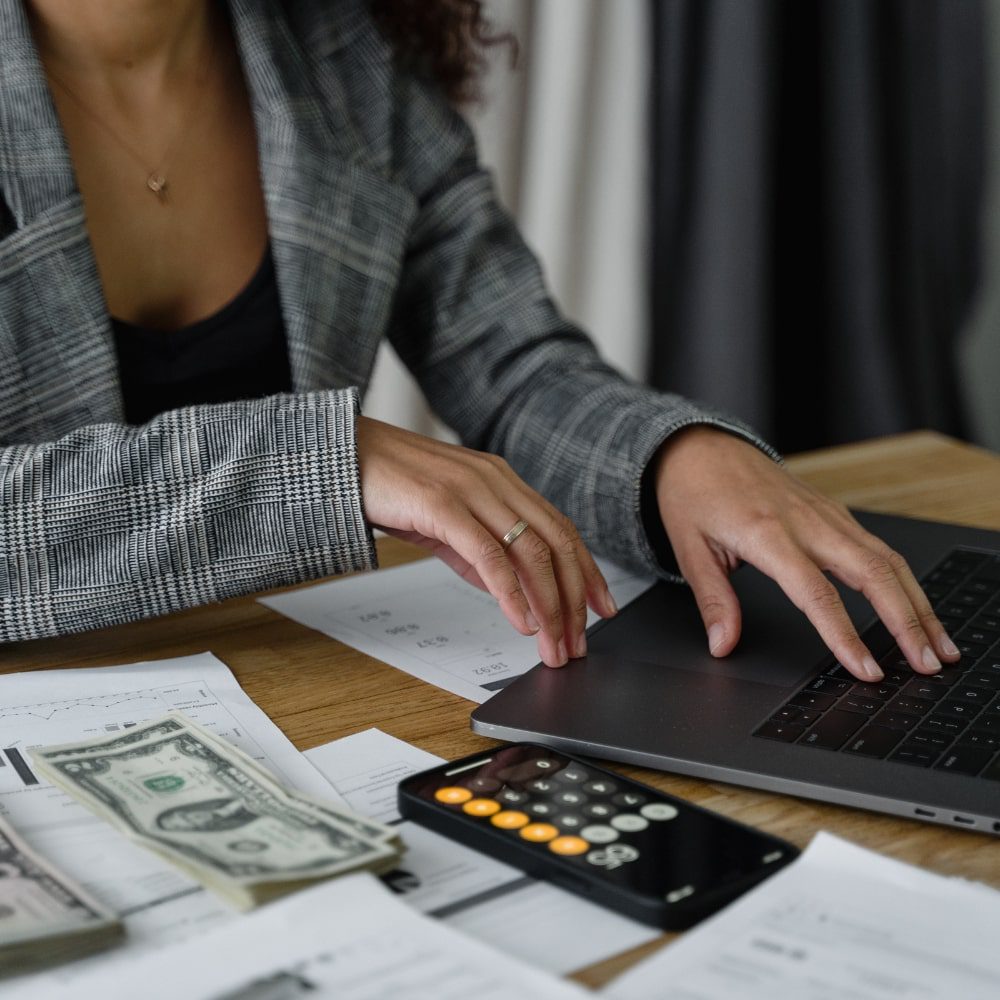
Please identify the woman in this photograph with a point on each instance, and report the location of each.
(211, 216)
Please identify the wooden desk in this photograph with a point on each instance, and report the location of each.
(317, 689)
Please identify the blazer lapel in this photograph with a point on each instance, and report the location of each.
(338, 224)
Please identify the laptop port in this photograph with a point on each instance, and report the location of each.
(966, 820)
(925, 812)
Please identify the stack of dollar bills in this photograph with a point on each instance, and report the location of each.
(45, 917)
(215, 813)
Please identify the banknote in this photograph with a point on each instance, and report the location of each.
(211, 810)
(45, 917)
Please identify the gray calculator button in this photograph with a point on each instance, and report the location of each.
(629, 800)
(573, 774)
(629, 823)
(569, 821)
(486, 785)
(541, 809)
(599, 810)
(599, 834)
(542, 785)
(613, 856)
(546, 765)
(658, 811)
(571, 798)
(600, 787)
(512, 797)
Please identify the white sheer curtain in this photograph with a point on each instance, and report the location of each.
(565, 135)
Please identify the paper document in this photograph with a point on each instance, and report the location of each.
(424, 619)
(157, 902)
(348, 939)
(839, 923)
(487, 899)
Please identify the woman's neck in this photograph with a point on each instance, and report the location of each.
(113, 42)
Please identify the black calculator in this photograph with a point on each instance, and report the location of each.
(592, 831)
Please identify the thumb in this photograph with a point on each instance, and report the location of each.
(708, 577)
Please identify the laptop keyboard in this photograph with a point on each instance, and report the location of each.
(949, 721)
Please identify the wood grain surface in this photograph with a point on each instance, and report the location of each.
(317, 689)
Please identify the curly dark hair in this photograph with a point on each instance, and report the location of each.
(442, 40)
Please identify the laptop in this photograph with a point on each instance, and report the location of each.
(779, 713)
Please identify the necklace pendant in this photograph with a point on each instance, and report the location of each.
(157, 183)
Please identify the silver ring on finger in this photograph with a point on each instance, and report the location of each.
(514, 534)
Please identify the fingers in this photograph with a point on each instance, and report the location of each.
(708, 577)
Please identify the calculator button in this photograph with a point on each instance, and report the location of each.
(486, 785)
(613, 856)
(658, 811)
(512, 797)
(568, 845)
(599, 834)
(628, 800)
(573, 774)
(481, 807)
(629, 823)
(539, 833)
(569, 821)
(453, 796)
(510, 819)
(600, 787)
(599, 810)
(547, 765)
(542, 785)
(571, 798)
(541, 809)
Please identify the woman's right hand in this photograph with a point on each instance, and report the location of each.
(459, 504)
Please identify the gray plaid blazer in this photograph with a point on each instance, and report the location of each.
(382, 224)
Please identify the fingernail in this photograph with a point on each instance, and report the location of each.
(950, 649)
(931, 662)
(532, 622)
(716, 637)
(580, 646)
(561, 652)
(871, 669)
(609, 603)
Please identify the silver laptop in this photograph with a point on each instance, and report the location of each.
(779, 713)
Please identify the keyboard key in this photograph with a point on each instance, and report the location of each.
(931, 738)
(864, 706)
(964, 760)
(787, 714)
(920, 688)
(951, 609)
(979, 635)
(831, 732)
(882, 692)
(828, 684)
(990, 667)
(874, 741)
(980, 738)
(839, 671)
(813, 699)
(911, 706)
(989, 723)
(808, 717)
(915, 754)
(991, 622)
(957, 709)
(971, 693)
(989, 681)
(945, 724)
(898, 720)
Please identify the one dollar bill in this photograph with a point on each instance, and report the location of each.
(203, 805)
(45, 917)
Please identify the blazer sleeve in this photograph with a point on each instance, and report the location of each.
(113, 523)
(498, 363)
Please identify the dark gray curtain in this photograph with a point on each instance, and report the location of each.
(817, 180)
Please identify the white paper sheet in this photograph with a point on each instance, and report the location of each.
(487, 899)
(347, 939)
(426, 621)
(840, 923)
(44, 707)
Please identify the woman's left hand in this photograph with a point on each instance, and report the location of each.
(722, 500)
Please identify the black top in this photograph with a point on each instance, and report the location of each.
(240, 352)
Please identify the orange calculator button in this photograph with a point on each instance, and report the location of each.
(453, 796)
(568, 845)
(481, 807)
(510, 819)
(539, 833)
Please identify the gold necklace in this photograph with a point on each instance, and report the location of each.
(156, 178)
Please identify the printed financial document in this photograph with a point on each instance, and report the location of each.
(468, 890)
(425, 620)
(839, 923)
(38, 708)
(347, 939)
